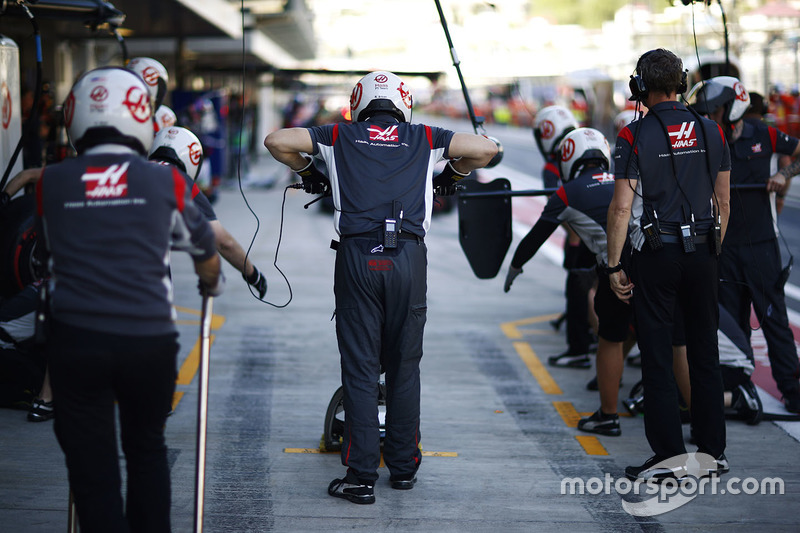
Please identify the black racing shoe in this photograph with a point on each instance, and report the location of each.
(355, 492)
(601, 423)
(403, 482)
(792, 402)
(655, 469)
(41, 411)
(570, 360)
(747, 403)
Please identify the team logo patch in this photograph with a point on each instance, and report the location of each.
(389, 134)
(756, 148)
(380, 265)
(106, 182)
(547, 129)
(682, 135)
(605, 177)
(6, 109)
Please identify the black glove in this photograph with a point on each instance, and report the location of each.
(314, 181)
(445, 183)
(258, 281)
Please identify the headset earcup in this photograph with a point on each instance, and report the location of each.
(638, 88)
(684, 86)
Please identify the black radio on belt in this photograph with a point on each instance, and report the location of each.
(652, 232)
(687, 238)
(390, 233)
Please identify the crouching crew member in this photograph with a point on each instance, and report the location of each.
(671, 167)
(381, 178)
(107, 219)
(582, 202)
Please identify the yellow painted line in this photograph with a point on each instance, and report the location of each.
(176, 398)
(528, 356)
(591, 445)
(511, 329)
(191, 363)
(568, 413)
(216, 320)
(316, 450)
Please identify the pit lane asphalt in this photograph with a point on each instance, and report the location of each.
(497, 422)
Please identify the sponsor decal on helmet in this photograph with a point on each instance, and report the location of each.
(547, 129)
(150, 75)
(405, 95)
(195, 152)
(98, 93)
(69, 109)
(381, 78)
(355, 97)
(741, 92)
(138, 103)
(568, 150)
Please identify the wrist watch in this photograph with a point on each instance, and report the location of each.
(611, 270)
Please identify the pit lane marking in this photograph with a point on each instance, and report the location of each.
(192, 362)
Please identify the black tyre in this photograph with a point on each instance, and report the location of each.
(334, 420)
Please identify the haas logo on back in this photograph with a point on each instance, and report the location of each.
(377, 133)
(110, 182)
(682, 135)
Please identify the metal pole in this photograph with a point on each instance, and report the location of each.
(72, 515)
(457, 63)
(548, 192)
(202, 411)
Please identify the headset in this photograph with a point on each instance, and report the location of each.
(638, 87)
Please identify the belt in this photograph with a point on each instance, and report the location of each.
(671, 238)
(377, 235)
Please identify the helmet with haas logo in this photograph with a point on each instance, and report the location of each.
(552, 123)
(165, 117)
(725, 92)
(380, 92)
(154, 75)
(180, 147)
(582, 147)
(109, 105)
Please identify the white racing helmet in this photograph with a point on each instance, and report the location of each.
(155, 76)
(180, 147)
(721, 91)
(580, 147)
(380, 91)
(164, 118)
(552, 123)
(109, 105)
